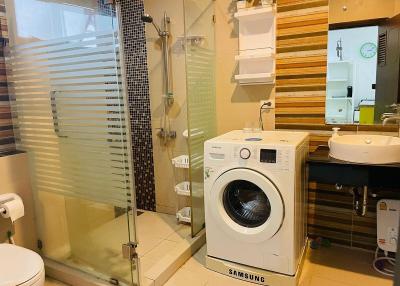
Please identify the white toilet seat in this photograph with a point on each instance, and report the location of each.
(20, 266)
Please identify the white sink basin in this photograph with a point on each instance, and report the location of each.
(366, 149)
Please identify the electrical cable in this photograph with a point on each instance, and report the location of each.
(384, 271)
(260, 119)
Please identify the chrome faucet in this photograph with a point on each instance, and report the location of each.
(392, 116)
(339, 49)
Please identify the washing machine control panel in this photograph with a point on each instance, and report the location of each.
(277, 158)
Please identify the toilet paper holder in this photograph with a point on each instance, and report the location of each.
(3, 210)
(11, 206)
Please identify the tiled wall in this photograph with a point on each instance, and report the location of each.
(135, 56)
(6, 130)
(167, 176)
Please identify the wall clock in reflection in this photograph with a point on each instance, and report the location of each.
(368, 50)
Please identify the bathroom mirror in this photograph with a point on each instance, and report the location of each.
(363, 60)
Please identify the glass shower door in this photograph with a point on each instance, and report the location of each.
(69, 112)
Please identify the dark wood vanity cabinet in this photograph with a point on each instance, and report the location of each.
(323, 169)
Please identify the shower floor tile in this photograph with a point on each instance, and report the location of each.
(158, 234)
(163, 246)
(156, 225)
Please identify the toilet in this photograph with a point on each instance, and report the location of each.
(20, 266)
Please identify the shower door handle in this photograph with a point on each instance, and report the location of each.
(55, 114)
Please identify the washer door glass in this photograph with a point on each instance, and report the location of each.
(246, 203)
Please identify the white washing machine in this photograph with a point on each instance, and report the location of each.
(255, 198)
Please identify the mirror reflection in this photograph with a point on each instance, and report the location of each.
(362, 64)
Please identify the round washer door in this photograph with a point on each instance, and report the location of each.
(246, 205)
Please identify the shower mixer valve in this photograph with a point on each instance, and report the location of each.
(162, 133)
(169, 99)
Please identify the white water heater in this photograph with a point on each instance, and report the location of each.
(387, 216)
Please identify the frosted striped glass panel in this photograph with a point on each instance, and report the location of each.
(201, 120)
(200, 72)
(200, 84)
(69, 115)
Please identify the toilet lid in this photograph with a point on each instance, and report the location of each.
(18, 265)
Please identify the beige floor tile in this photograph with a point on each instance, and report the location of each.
(162, 249)
(335, 266)
(306, 281)
(146, 244)
(320, 281)
(195, 266)
(343, 265)
(185, 278)
(200, 275)
(159, 225)
(182, 233)
(348, 277)
(146, 264)
(147, 282)
(52, 282)
(167, 265)
(197, 262)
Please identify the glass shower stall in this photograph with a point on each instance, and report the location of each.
(68, 91)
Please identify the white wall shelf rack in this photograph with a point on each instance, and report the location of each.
(256, 58)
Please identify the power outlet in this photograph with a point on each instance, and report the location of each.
(271, 101)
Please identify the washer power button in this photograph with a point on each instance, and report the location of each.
(245, 153)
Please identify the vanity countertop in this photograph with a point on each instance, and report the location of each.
(321, 155)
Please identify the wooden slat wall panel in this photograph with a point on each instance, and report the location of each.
(302, 35)
(291, 5)
(317, 140)
(6, 129)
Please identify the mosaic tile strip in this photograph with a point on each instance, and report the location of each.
(135, 53)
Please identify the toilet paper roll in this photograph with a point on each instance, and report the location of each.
(12, 206)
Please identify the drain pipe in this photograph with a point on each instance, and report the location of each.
(360, 201)
(365, 201)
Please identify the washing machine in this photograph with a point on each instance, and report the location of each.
(255, 198)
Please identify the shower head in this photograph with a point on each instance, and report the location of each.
(147, 18)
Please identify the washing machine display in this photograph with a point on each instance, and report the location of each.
(268, 156)
(246, 204)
